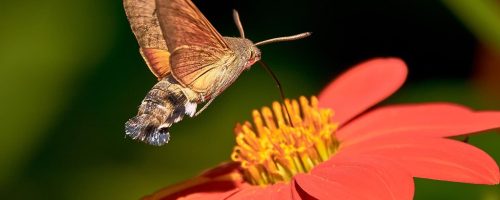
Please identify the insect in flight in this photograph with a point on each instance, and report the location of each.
(191, 60)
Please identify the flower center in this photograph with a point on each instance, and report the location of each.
(276, 148)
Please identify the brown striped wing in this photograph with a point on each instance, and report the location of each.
(196, 48)
(144, 23)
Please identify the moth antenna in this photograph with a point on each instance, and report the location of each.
(278, 84)
(237, 21)
(285, 38)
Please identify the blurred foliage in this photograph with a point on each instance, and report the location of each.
(71, 75)
(43, 50)
(481, 16)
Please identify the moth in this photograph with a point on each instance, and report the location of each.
(191, 60)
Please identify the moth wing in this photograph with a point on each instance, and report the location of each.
(183, 24)
(158, 61)
(146, 28)
(199, 68)
(196, 47)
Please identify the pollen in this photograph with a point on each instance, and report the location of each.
(284, 140)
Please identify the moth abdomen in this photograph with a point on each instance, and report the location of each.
(147, 128)
(164, 105)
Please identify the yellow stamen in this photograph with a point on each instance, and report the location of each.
(279, 146)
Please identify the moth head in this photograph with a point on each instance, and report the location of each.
(254, 56)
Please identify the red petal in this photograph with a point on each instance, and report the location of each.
(362, 87)
(433, 158)
(278, 191)
(209, 189)
(281, 191)
(218, 182)
(431, 119)
(250, 192)
(322, 188)
(370, 177)
(209, 196)
(298, 193)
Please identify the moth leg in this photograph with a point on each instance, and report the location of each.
(204, 107)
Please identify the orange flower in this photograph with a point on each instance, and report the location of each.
(335, 148)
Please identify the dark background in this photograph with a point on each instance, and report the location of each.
(71, 76)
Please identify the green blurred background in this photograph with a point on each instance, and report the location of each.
(71, 75)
